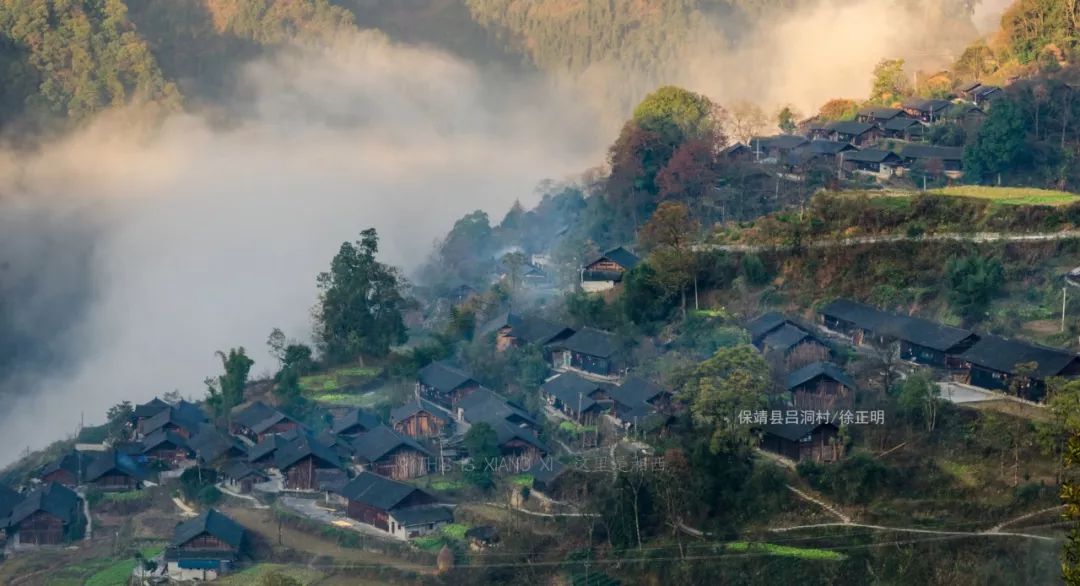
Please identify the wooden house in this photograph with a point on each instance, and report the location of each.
(903, 129)
(855, 132)
(486, 405)
(794, 347)
(51, 514)
(925, 110)
(980, 94)
(821, 386)
(114, 471)
(212, 445)
(737, 152)
(926, 342)
(772, 149)
(519, 447)
(515, 330)
(764, 324)
(877, 163)
(862, 323)
(589, 351)
(240, 476)
(391, 454)
(580, 399)
(145, 411)
(298, 459)
(355, 423)
(880, 116)
(184, 419)
(68, 470)
(444, 383)
(420, 419)
(604, 272)
(262, 454)
(204, 548)
(815, 442)
(402, 510)
(1011, 365)
(259, 420)
(165, 448)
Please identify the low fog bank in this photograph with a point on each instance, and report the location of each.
(210, 237)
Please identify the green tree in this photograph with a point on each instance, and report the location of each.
(482, 445)
(360, 303)
(118, 421)
(227, 390)
(787, 120)
(669, 234)
(999, 144)
(972, 282)
(890, 84)
(920, 400)
(735, 379)
(676, 114)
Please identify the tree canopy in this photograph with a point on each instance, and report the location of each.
(360, 303)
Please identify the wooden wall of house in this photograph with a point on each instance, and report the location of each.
(593, 364)
(822, 394)
(823, 446)
(420, 425)
(519, 454)
(115, 481)
(64, 477)
(504, 339)
(206, 542)
(41, 528)
(402, 464)
(301, 475)
(368, 514)
(605, 266)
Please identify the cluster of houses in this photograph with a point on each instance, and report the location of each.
(861, 146)
(816, 384)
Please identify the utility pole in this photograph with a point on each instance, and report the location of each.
(1064, 296)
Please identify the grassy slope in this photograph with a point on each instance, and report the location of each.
(1012, 195)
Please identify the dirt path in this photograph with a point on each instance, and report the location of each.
(997, 528)
(987, 533)
(806, 497)
(891, 238)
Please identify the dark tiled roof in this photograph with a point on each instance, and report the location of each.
(812, 371)
(572, 389)
(785, 337)
(74, 462)
(271, 421)
(901, 123)
(985, 90)
(254, 414)
(55, 499)
(537, 330)
(765, 323)
(331, 479)
(9, 498)
(636, 390)
(300, 448)
(357, 418)
(377, 443)
(213, 523)
(592, 342)
(210, 443)
(872, 156)
(415, 406)
(443, 377)
(377, 491)
(970, 86)
(413, 516)
(792, 431)
(780, 141)
(506, 432)
(619, 256)
(925, 151)
(269, 445)
(878, 113)
(485, 405)
(1003, 355)
(113, 461)
(923, 105)
(547, 470)
(851, 127)
(184, 415)
(150, 408)
(863, 316)
(238, 470)
(162, 437)
(828, 147)
(924, 332)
